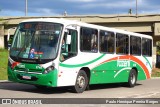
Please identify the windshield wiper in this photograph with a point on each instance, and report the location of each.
(20, 52)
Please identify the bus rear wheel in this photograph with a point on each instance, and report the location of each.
(81, 82)
(132, 78)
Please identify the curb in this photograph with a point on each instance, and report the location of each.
(155, 77)
(6, 81)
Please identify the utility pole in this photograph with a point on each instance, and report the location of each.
(136, 8)
(26, 9)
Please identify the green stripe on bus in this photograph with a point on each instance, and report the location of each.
(147, 61)
(83, 64)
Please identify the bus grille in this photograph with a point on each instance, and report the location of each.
(30, 71)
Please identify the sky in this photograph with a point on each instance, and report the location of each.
(77, 7)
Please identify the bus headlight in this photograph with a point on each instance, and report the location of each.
(48, 69)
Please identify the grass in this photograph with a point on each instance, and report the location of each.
(155, 72)
(3, 64)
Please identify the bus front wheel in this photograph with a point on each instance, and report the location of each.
(132, 78)
(81, 82)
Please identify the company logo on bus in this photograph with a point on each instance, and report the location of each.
(123, 63)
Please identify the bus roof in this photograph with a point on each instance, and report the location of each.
(79, 23)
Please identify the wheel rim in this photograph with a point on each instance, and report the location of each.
(133, 78)
(81, 81)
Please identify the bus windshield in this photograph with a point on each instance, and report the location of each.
(36, 41)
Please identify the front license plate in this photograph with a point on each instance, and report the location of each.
(26, 77)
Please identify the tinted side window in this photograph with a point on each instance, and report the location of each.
(88, 40)
(122, 44)
(106, 41)
(146, 47)
(135, 45)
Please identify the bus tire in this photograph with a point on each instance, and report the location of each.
(132, 79)
(81, 82)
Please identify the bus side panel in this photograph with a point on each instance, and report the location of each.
(105, 69)
(118, 70)
(66, 76)
(68, 69)
(108, 73)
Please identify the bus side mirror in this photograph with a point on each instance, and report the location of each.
(8, 36)
(68, 40)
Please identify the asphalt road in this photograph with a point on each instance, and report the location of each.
(143, 89)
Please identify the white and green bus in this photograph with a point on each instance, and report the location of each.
(50, 52)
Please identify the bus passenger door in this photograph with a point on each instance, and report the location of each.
(69, 45)
(67, 74)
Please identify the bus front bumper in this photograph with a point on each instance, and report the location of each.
(49, 79)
